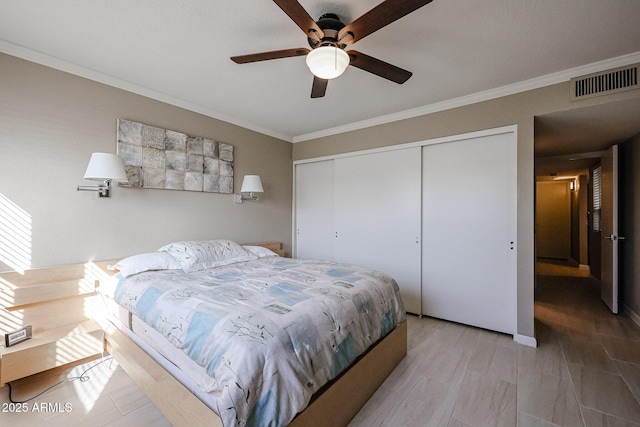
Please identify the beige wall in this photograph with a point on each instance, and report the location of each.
(519, 109)
(50, 123)
(553, 219)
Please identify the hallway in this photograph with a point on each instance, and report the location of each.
(583, 348)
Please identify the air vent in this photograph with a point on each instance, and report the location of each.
(605, 82)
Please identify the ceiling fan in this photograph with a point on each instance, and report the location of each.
(328, 38)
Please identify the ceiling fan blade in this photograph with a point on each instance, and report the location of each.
(380, 16)
(319, 87)
(299, 15)
(378, 67)
(274, 54)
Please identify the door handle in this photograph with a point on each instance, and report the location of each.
(613, 237)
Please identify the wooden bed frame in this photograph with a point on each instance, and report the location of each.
(334, 405)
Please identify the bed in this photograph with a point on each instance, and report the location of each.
(239, 335)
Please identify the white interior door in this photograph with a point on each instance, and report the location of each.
(377, 206)
(469, 231)
(314, 210)
(610, 238)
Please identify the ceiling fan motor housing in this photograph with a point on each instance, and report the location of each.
(330, 25)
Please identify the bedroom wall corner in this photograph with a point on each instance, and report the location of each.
(51, 122)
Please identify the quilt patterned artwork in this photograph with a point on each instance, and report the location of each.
(165, 159)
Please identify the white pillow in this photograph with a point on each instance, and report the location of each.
(260, 251)
(145, 262)
(198, 255)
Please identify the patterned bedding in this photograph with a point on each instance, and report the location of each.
(269, 332)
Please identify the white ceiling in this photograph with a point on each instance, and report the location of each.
(178, 51)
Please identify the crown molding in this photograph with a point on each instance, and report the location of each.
(535, 83)
(77, 70)
(523, 86)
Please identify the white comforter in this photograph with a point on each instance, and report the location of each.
(268, 332)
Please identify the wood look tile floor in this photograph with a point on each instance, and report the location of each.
(584, 372)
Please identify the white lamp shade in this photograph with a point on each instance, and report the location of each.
(327, 62)
(105, 166)
(251, 184)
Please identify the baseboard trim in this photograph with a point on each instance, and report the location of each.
(632, 314)
(525, 340)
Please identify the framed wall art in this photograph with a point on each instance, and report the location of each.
(164, 159)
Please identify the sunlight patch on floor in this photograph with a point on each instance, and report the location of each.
(89, 391)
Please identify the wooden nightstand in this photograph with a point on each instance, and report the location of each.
(57, 302)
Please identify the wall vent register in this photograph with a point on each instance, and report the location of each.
(605, 82)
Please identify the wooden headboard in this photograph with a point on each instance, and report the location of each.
(272, 246)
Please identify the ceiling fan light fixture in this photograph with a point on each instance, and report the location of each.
(327, 62)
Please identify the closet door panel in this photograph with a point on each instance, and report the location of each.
(469, 222)
(377, 214)
(314, 210)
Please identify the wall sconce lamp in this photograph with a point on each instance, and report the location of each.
(103, 167)
(250, 184)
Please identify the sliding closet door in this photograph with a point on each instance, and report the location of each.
(377, 214)
(469, 225)
(314, 210)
